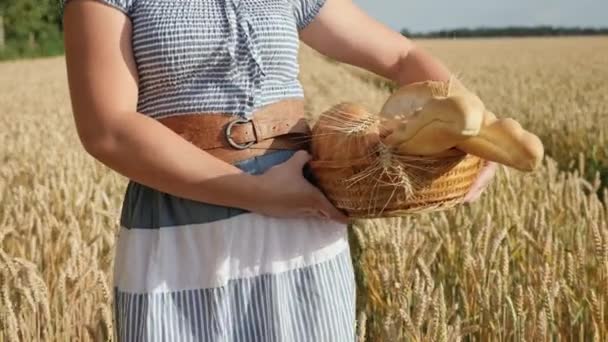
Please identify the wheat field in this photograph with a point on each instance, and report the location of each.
(527, 262)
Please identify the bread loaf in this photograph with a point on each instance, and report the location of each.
(436, 116)
(410, 98)
(441, 124)
(345, 132)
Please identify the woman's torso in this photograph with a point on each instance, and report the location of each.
(186, 268)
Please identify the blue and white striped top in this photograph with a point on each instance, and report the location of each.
(229, 56)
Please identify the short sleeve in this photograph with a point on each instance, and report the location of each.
(305, 11)
(125, 6)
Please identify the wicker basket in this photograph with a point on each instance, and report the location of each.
(385, 184)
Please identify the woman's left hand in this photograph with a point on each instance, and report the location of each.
(486, 174)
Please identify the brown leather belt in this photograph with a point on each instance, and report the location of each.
(279, 126)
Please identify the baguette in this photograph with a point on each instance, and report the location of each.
(427, 118)
(504, 141)
(410, 98)
(441, 124)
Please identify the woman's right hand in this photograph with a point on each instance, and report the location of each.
(289, 194)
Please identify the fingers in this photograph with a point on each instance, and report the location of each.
(299, 159)
(316, 213)
(485, 176)
(322, 207)
(472, 196)
(474, 193)
(329, 211)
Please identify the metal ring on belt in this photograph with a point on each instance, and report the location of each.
(228, 132)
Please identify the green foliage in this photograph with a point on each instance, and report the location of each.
(18, 50)
(32, 28)
(509, 31)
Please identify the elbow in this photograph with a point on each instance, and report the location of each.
(101, 132)
(97, 140)
(99, 145)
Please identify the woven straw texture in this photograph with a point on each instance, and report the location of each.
(366, 191)
(367, 179)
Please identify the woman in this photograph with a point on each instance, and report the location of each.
(225, 243)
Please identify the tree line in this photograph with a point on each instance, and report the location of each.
(31, 28)
(509, 31)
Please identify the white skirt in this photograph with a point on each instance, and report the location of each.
(189, 271)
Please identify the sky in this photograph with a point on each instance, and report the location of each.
(429, 15)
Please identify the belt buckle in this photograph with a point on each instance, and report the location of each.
(228, 132)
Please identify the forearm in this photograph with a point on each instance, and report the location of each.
(418, 65)
(144, 150)
(344, 32)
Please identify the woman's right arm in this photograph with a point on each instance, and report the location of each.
(103, 85)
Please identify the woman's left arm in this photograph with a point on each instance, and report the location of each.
(344, 32)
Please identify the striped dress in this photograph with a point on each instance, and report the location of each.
(191, 271)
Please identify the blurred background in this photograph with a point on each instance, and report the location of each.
(527, 262)
(515, 17)
(30, 28)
